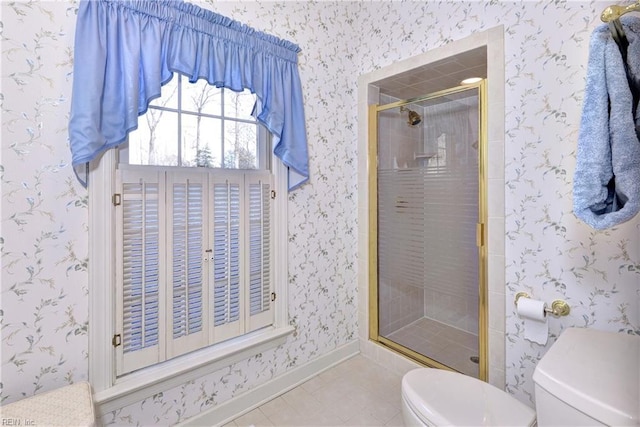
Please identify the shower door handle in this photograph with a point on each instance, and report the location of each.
(480, 234)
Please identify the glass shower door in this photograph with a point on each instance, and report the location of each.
(429, 276)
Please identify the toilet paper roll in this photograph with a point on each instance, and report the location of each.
(536, 328)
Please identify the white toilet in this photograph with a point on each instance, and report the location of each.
(587, 378)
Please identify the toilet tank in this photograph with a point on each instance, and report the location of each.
(589, 378)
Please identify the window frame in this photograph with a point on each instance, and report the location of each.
(111, 393)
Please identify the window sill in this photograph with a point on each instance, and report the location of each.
(140, 385)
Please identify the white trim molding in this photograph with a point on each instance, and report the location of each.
(101, 183)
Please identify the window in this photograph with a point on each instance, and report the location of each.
(111, 89)
(193, 227)
(198, 125)
(187, 246)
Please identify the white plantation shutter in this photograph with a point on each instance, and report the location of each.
(139, 251)
(227, 264)
(187, 286)
(194, 254)
(259, 250)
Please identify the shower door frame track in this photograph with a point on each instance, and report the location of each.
(481, 228)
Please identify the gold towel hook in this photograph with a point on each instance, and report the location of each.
(615, 12)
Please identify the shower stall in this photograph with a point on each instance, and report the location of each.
(427, 219)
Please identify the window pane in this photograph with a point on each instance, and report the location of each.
(239, 105)
(155, 140)
(169, 95)
(240, 145)
(200, 97)
(201, 141)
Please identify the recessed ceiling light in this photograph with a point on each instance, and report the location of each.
(471, 80)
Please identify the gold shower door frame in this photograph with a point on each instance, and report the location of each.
(481, 228)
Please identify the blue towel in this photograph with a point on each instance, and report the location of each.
(606, 188)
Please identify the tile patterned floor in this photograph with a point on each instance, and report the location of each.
(446, 344)
(357, 392)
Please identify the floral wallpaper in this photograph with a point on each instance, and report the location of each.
(44, 211)
(549, 253)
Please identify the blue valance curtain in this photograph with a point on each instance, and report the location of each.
(125, 50)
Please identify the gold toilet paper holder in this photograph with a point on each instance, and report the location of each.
(558, 307)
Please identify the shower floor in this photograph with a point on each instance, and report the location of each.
(448, 345)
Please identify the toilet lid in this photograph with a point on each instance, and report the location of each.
(610, 392)
(442, 398)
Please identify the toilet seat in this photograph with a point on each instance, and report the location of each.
(444, 398)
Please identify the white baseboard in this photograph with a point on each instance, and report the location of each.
(233, 408)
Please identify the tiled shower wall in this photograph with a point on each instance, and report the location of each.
(454, 299)
(400, 303)
(396, 138)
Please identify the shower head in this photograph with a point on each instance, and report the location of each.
(413, 118)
